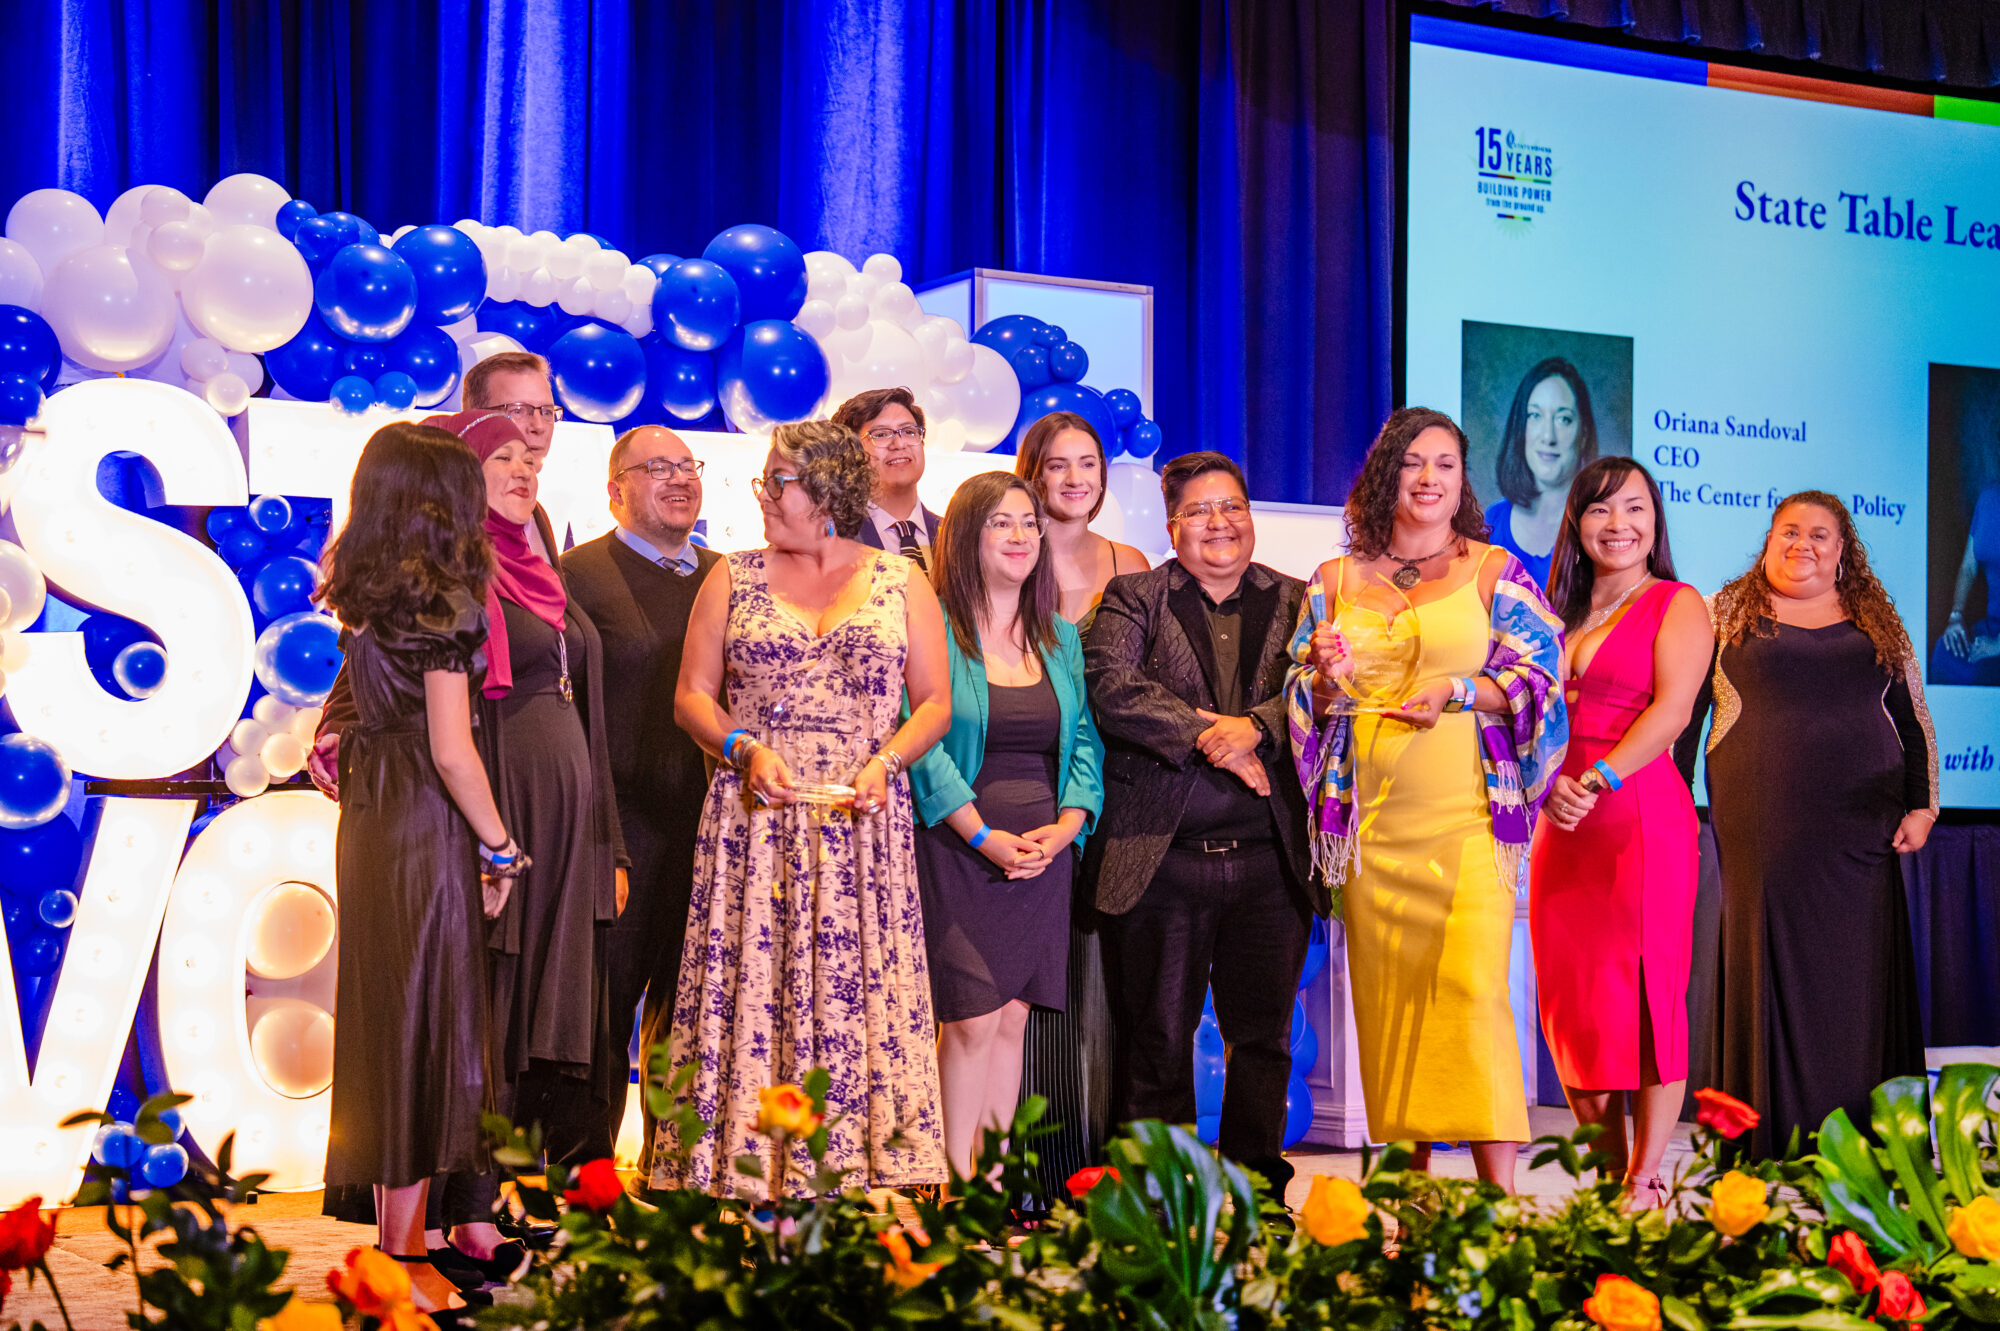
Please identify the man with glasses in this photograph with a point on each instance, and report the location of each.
(1200, 859)
(891, 426)
(638, 583)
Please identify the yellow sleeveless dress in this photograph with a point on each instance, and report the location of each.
(1429, 921)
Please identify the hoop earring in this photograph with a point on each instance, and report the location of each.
(1839, 569)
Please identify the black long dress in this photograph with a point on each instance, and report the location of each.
(410, 1069)
(1816, 759)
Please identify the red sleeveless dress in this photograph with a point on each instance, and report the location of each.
(1611, 904)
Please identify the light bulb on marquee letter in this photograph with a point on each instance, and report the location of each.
(274, 842)
(99, 554)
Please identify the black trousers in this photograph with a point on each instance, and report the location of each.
(1231, 920)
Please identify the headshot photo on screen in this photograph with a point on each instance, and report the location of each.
(1539, 404)
(1964, 604)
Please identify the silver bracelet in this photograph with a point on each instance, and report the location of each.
(892, 762)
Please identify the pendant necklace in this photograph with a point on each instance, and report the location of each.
(1597, 617)
(1407, 576)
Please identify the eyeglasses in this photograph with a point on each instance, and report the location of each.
(774, 483)
(1005, 526)
(1227, 509)
(661, 468)
(882, 434)
(518, 411)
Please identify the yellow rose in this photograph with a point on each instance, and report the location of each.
(1975, 1230)
(903, 1270)
(1619, 1305)
(298, 1315)
(786, 1109)
(1736, 1204)
(1335, 1211)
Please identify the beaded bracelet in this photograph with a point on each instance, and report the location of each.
(1603, 769)
(980, 836)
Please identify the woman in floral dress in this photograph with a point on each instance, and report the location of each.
(805, 943)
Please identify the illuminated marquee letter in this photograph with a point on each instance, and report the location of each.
(98, 554)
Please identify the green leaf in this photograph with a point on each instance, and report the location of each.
(1902, 1117)
(1857, 1195)
(749, 1166)
(1975, 1291)
(1681, 1315)
(1960, 1110)
(1821, 1319)
(1821, 1284)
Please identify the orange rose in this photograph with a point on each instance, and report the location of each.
(298, 1315)
(24, 1236)
(1619, 1305)
(1083, 1180)
(1900, 1301)
(1737, 1203)
(1975, 1230)
(1335, 1211)
(1848, 1255)
(1724, 1113)
(786, 1110)
(902, 1270)
(373, 1281)
(597, 1186)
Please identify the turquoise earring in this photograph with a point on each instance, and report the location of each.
(829, 527)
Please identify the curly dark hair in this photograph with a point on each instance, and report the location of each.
(416, 529)
(1371, 504)
(1744, 605)
(833, 467)
(857, 411)
(1517, 482)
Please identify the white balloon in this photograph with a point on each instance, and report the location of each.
(162, 204)
(246, 777)
(109, 311)
(306, 724)
(502, 282)
(867, 284)
(848, 344)
(851, 310)
(476, 349)
(565, 261)
(606, 269)
(251, 291)
(891, 359)
(175, 246)
(246, 199)
(464, 328)
(204, 358)
(293, 931)
(470, 226)
(401, 231)
(247, 368)
(612, 306)
(884, 268)
(827, 274)
(932, 337)
(987, 400)
(815, 317)
(20, 276)
(895, 301)
(248, 736)
(524, 254)
(1110, 520)
(507, 231)
(283, 755)
(577, 296)
(124, 216)
(227, 393)
(6, 612)
(539, 287)
(640, 321)
(292, 1045)
(166, 368)
(53, 224)
(201, 219)
(956, 362)
(14, 647)
(639, 283)
(945, 434)
(273, 713)
(1136, 489)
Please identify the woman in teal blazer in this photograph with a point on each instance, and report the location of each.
(1005, 798)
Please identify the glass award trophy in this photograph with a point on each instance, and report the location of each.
(1384, 645)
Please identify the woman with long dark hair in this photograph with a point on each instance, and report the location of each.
(1006, 797)
(1822, 768)
(1551, 433)
(1611, 891)
(408, 576)
(1424, 813)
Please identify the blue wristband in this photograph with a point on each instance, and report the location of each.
(729, 745)
(979, 836)
(1603, 769)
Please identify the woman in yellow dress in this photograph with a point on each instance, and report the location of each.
(1421, 816)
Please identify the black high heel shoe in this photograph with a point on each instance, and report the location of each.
(502, 1268)
(449, 1319)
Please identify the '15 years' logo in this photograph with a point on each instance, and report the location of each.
(1515, 177)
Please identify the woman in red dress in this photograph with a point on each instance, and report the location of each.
(1612, 880)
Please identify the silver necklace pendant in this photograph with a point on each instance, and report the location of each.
(562, 680)
(1407, 576)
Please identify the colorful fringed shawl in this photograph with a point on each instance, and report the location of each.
(1521, 751)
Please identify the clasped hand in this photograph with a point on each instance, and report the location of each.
(1569, 803)
(1230, 742)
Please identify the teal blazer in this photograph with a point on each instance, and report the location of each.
(939, 780)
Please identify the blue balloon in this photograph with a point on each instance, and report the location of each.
(118, 1147)
(1085, 402)
(659, 263)
(1031, 367)
(1208, 1129)
(360, 231)
(17, 917)
(1144, 439)
(320, 238)
(599, 373)
(245, 545)
(1317, 944)
(1126, 410)
(1305, 1041)
(40, 859)
(515, 318)
(291, 215)
(222, 521)
(1009, 334)
(40, 953)
(29, 346)
(57, 908)
(769, 270)
(1298, 1111)
(20, 398)
(352, 394)
(140, 668)
(696, 305)
(1050, 335)
(124, 1106)
(396, 390)
(450, 272)
(682, 382)
(366, 293)
(297, 657)
(307, 365)
(270, 514)
(170, 1119)
(164, 1166)
(1068, 362)
(770, 373)
(429, 357)
(283, 585)
(1209, 1075)
(366, 360)
(34, 781)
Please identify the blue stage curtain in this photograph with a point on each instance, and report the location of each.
(1235, 157)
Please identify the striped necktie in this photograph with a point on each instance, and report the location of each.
(906, 533)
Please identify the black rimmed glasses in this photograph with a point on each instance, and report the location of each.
(888, 434)
(522, 411)
(775, 483)
(661, 468)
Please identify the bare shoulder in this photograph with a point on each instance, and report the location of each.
(1689, 609)
(1130, 556)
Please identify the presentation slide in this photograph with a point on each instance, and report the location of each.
(1753, 283)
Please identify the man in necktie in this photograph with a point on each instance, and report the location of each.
(891, 426)
(637, 583)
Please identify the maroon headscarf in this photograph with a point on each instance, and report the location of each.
(524, 577)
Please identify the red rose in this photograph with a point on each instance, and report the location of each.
(1899, 1300)
(597, 1187)
(1725, 1113)
(24, 1236)
(1848, 1255)
(6, 1287)
(1083, 1180)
